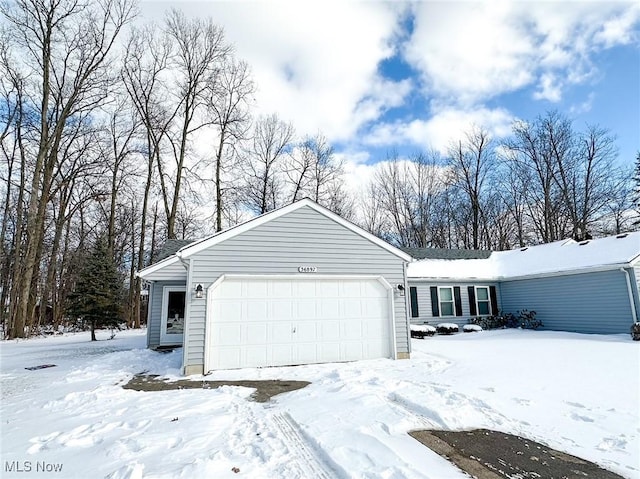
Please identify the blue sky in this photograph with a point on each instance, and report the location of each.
(406, 76)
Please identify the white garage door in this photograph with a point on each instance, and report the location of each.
(262, 321)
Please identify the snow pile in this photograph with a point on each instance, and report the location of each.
(471, 328)
(422, 328)
(577, 393)
(565, 255)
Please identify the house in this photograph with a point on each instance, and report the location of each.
(297, 285)
(589, 286)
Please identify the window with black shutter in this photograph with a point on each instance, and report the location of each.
(413, 294)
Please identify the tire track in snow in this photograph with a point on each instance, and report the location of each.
(307, 458)
(416, 413)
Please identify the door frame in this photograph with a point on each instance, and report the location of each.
(302, 277)
(170, 339)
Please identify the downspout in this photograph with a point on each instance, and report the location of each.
(187, 298)
(407, 308)
(630, 291)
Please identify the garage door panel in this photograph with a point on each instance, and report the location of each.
(306, 354)
(352, 329)
(281, 355)
(281, 289)
(305, 289)
(329, 330)
(306, 331)
(281, 332)
(351, 308)
(228, 357)
(257, 310)
(229, 310)
(255, 355)
(277, 322)
(281, 310)
(228, 334)
(329, 309)
(352, 351)
(306, 309)
(257, 333)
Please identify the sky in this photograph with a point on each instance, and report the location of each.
(383, 77)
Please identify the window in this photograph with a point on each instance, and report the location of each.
(482, 300)
(413, 293)
(446, 301)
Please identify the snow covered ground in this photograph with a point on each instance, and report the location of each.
(576, 393)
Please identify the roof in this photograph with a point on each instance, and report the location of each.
(559, 257)
(195, 247)
(171, 246)
(445, 253)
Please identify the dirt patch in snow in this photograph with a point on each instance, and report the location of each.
(486, 454)
(264, 390)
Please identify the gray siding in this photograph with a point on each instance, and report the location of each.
(424, 301)
(584, 303)
(154, 317)
(303, 237)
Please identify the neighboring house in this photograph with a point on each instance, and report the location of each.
(589, 286)
(298, 285)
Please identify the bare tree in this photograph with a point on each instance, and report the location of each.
(272, 140)
(65, 47)
(471, 161)
(201, 57)
(230, 93)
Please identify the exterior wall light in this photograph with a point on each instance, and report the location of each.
(199, 291)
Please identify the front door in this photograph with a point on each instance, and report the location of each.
(173, 308)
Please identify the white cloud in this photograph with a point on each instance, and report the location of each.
(315, 63)
(471, 52)
(445, 126)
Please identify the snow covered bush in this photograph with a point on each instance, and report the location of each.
(421, 330)
(471, 328)
(447, 328)
(528, 319)
(635, 331)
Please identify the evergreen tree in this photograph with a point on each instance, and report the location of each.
(97, 296)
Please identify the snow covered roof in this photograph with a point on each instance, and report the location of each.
(446, 253)
(564, 256)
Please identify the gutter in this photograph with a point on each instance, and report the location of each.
(502, 278)
(631, 302)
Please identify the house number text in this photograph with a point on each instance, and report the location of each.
(307, 269)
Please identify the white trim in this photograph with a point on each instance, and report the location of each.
(209, 307)
(496, 279)
(201, 245)
(164, 338)
(392, 314)
(475, 291)
(149, 270)
(453, 301)
(630, 291)
(187, 318)
(207, 321)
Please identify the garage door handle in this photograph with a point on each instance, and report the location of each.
(293, 330)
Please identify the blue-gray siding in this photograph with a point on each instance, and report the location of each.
(303, 237)
(585, 303)
(424, 301)
(154, 317)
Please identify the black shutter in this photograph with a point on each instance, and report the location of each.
(435, 307)
(413, 293)
(458, 300)
(494, 299)
(472, 301)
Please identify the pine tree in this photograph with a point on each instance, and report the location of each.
(97, 296)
